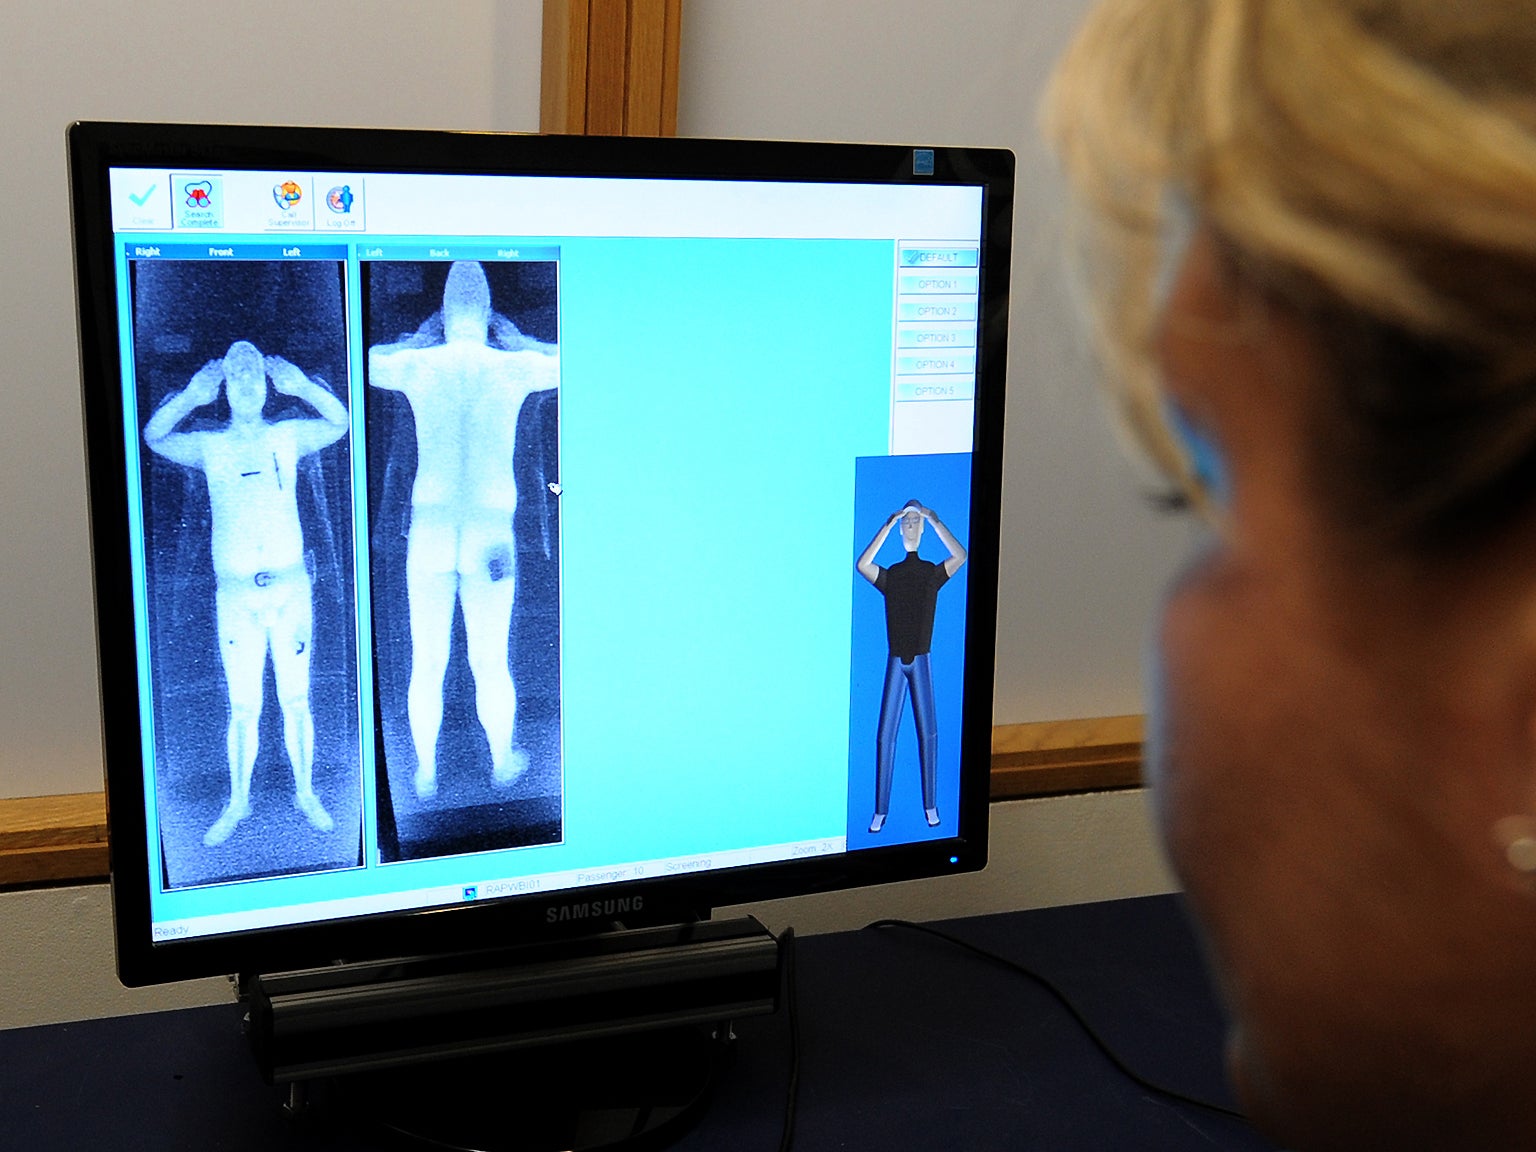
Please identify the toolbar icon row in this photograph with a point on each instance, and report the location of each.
(236, 201)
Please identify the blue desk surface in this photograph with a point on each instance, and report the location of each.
(908, 1043)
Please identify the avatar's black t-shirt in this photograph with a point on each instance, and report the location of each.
(911, 591)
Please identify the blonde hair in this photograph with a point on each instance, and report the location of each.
(1371, 163)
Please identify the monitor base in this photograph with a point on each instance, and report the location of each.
(637, 1091)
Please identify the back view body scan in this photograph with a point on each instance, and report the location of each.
(911, 590)
(465, 397)
(262, 584)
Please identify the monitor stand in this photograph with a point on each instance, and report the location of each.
(609, 1040)
(632, 1092)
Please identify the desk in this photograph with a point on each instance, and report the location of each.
(908, 1043)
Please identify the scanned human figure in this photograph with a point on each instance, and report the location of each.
(911, 590)
(465, 397)
(262, 584)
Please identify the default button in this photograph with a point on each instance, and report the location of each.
(939, 257)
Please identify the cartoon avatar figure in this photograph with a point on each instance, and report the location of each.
(911, 590)
(262, 584)
(465, 397)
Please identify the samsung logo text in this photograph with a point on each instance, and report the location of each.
(595, 910)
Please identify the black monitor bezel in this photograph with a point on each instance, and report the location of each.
(94, 147)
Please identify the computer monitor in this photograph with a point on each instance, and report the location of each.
(496, 536)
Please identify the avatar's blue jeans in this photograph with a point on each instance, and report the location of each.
(898, 676)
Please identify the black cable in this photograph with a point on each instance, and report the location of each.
(1061, 997)
(792, 1006)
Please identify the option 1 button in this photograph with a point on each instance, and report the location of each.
(939, 257)
(936, 336)
(910, 388)
(922, 283)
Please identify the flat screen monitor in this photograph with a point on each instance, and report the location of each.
(499, 535)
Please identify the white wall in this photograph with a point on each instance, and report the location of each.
(56, 944)
(1082, 557)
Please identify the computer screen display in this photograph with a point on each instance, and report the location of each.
(532, 523)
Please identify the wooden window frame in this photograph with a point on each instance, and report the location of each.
(610, 67)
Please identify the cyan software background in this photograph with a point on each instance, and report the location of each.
(715, 396)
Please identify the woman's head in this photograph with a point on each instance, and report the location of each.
(1312, 230)
(1370, 163)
